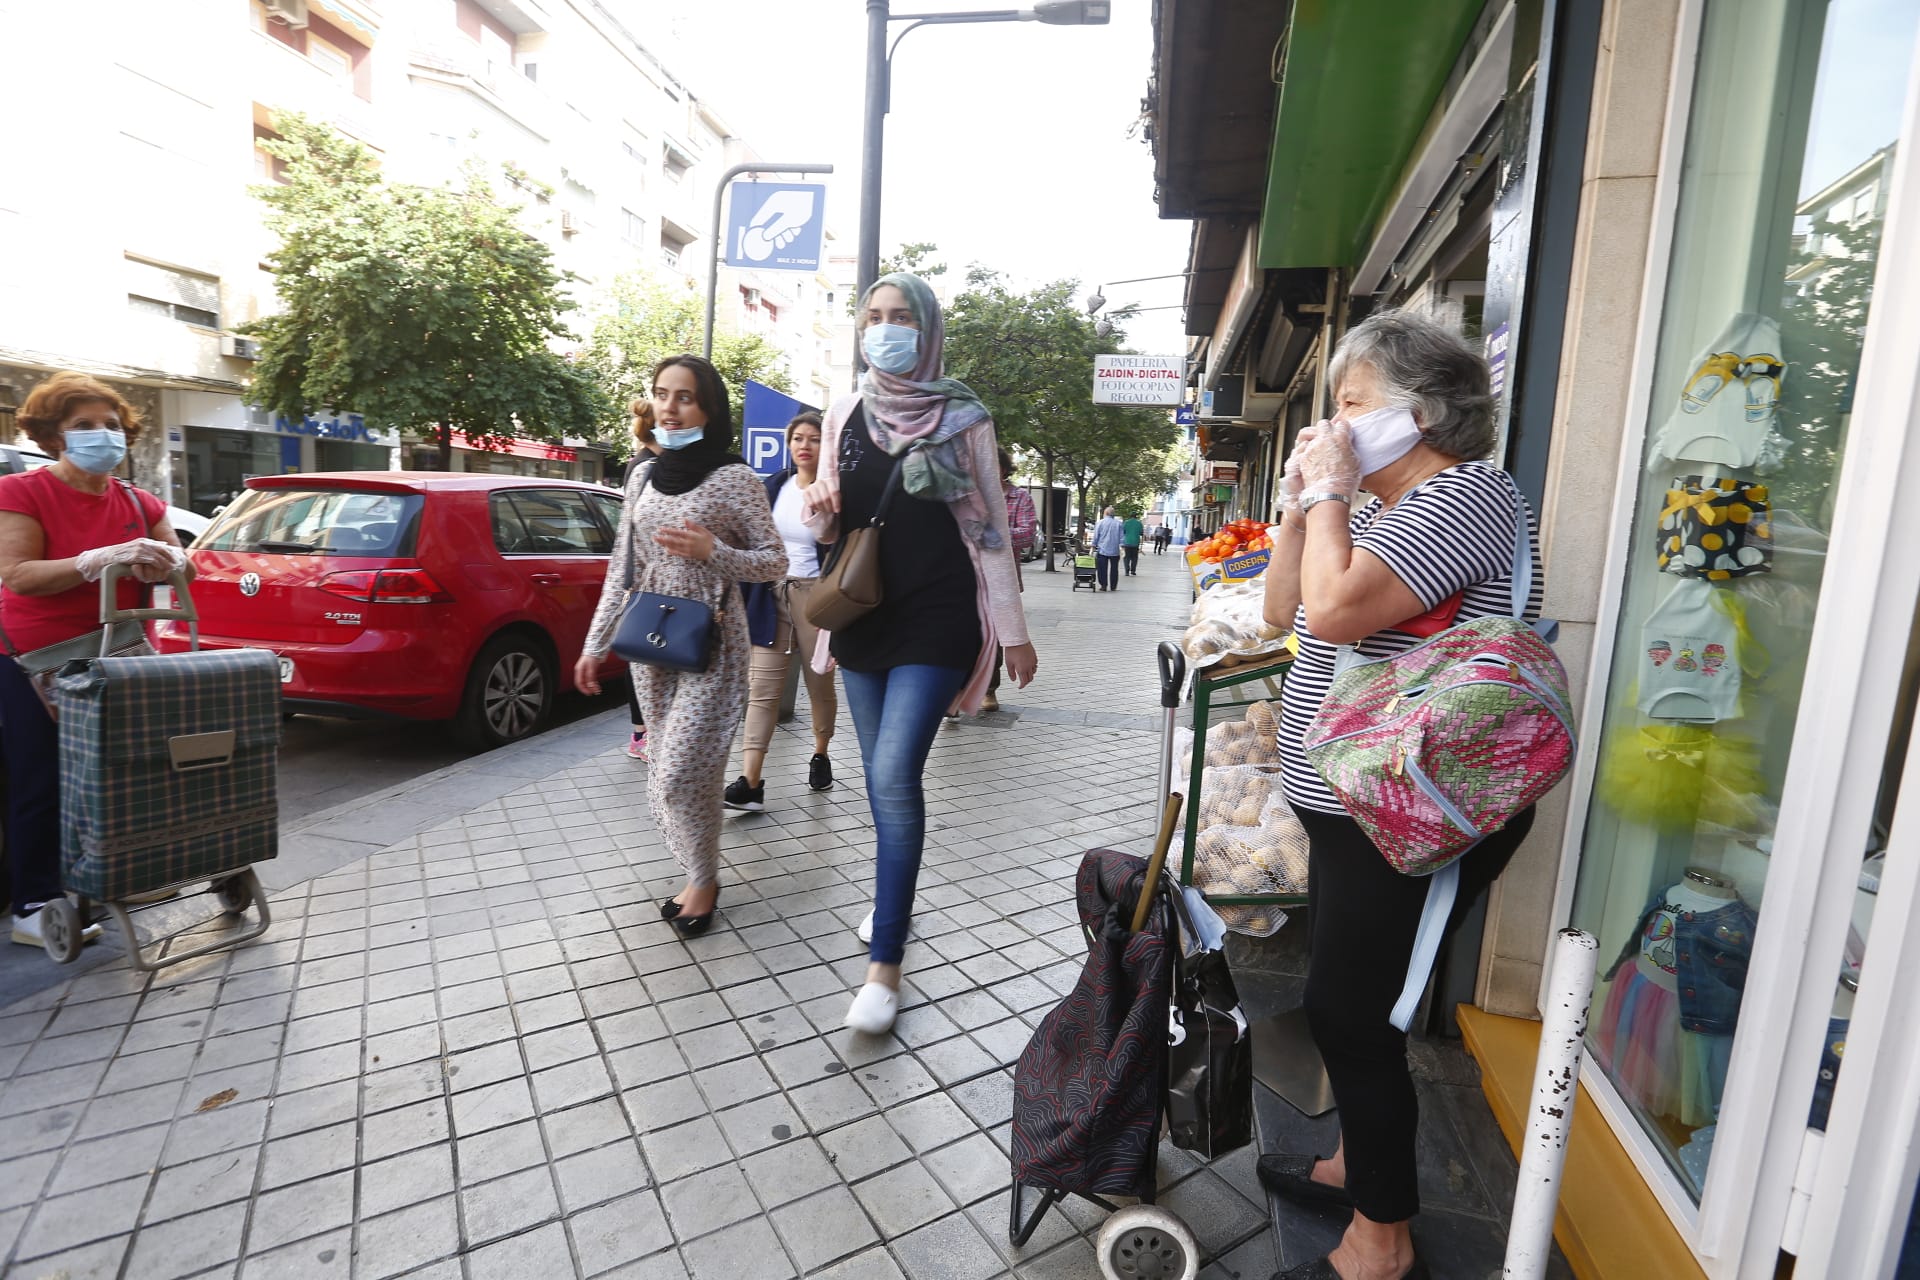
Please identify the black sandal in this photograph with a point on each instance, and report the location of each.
(694, 926)
(1291, 1176)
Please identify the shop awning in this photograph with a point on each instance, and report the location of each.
(1360, 80)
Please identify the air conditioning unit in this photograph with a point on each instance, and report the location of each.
(232, 344)
(567, 224)
(752, 296)
(291, 12)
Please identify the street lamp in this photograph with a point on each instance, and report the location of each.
(1068, 13)
(1099, 299)
(1104, 326)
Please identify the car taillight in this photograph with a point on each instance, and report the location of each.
(385, 586)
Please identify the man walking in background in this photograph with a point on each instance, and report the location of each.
(1108, 538)
(1131, 531)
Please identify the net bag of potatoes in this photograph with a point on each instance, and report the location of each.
(1227, 623)
(1249, 843)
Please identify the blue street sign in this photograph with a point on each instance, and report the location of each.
(1186, 415)
(776, 226)
(764, 415)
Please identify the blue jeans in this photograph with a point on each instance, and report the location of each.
(29, 748)
(895, 714)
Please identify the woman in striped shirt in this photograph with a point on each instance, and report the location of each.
(1434, 545)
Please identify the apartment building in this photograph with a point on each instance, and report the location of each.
(144, 281)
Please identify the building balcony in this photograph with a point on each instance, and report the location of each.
(283, 79)
(455, 60)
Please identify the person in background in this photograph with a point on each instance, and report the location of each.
(694, 523)
(1108, 538)
(1414, 418)
(60, 527)
(645, 449)
(777, 624)
(1024, 525)
(950, 589)
(1131, 531)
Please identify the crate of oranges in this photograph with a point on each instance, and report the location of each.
(1240, 550)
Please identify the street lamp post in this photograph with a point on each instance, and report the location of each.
(879, 92)
(717, 231)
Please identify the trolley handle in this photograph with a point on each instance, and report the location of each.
(110, 612)
(1173, 673)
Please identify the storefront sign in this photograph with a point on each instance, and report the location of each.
(1157, 380)
(337, 426)
(1497, 343)
(523, 448)
(1224, 473)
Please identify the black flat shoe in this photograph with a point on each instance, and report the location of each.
(694, 926)
(1321, 1269)
(1291, 1176)
(669, 909)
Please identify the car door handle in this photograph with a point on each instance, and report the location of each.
(547, 579)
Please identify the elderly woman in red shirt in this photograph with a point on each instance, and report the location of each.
(60, 527)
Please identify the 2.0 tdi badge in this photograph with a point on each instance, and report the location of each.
(249, 584)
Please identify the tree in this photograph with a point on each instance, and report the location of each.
(1029, 356)
(419, 307)
(643, 321)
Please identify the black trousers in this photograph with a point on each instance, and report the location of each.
(1107, 570)
(633, 703)
(1131, 555)
(30, 753)
(1361, 918)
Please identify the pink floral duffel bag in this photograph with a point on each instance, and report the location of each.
(1434, 749)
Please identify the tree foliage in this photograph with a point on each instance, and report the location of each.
(419, 307)
(643, 321)
(1030, 357)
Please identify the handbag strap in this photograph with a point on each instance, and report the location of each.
(892, 486)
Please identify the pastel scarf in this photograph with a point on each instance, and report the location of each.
(928, 409)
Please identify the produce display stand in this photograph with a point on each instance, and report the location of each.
(1216, 689)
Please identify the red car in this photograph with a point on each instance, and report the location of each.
(421, 595)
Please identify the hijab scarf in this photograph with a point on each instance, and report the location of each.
(930, 410)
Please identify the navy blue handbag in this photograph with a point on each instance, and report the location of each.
(667, 631)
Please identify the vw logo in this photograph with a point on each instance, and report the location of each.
(249, 584)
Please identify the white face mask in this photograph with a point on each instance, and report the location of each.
(1382, 438)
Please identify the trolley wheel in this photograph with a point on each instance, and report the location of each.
(61, 931)
(1145, 1242)
(235, 893)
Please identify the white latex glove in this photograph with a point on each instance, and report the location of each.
(150, 558)
(1291, 482)
(1330, 465)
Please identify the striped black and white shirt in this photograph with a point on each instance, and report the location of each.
(1453, 532)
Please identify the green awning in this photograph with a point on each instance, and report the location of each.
(1361, 79)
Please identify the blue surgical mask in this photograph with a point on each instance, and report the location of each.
(96, 449)
(891, 348)
(677, 437)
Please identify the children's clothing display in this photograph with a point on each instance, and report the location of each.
(1726, 409)
(1665, 1033)
(1716, 529)
(1689, 658)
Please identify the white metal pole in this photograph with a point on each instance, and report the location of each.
(1556, 1079)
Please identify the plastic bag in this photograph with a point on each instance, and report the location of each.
(1227, 623)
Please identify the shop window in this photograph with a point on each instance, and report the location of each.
(1762, 319)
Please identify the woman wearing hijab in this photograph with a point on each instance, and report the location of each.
(644, 448)
(950, 587)
(695, 524)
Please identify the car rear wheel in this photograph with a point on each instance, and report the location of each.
(509, 692)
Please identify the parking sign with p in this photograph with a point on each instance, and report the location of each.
(764, 415)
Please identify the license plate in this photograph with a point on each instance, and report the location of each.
(286, 670)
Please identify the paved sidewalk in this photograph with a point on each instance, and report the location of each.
(478, 1052)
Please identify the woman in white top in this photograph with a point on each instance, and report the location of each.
(777, 624)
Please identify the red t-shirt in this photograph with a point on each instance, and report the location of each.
(72, 522)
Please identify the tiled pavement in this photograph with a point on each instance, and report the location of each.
(478, 1052)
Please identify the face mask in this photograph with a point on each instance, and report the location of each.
(1382, 438)
(677, 437)
(891, 348)
(96, 449)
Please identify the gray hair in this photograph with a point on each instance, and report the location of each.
(1426, 367)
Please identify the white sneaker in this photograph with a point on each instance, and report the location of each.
(26, 932)
(874, 1009)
